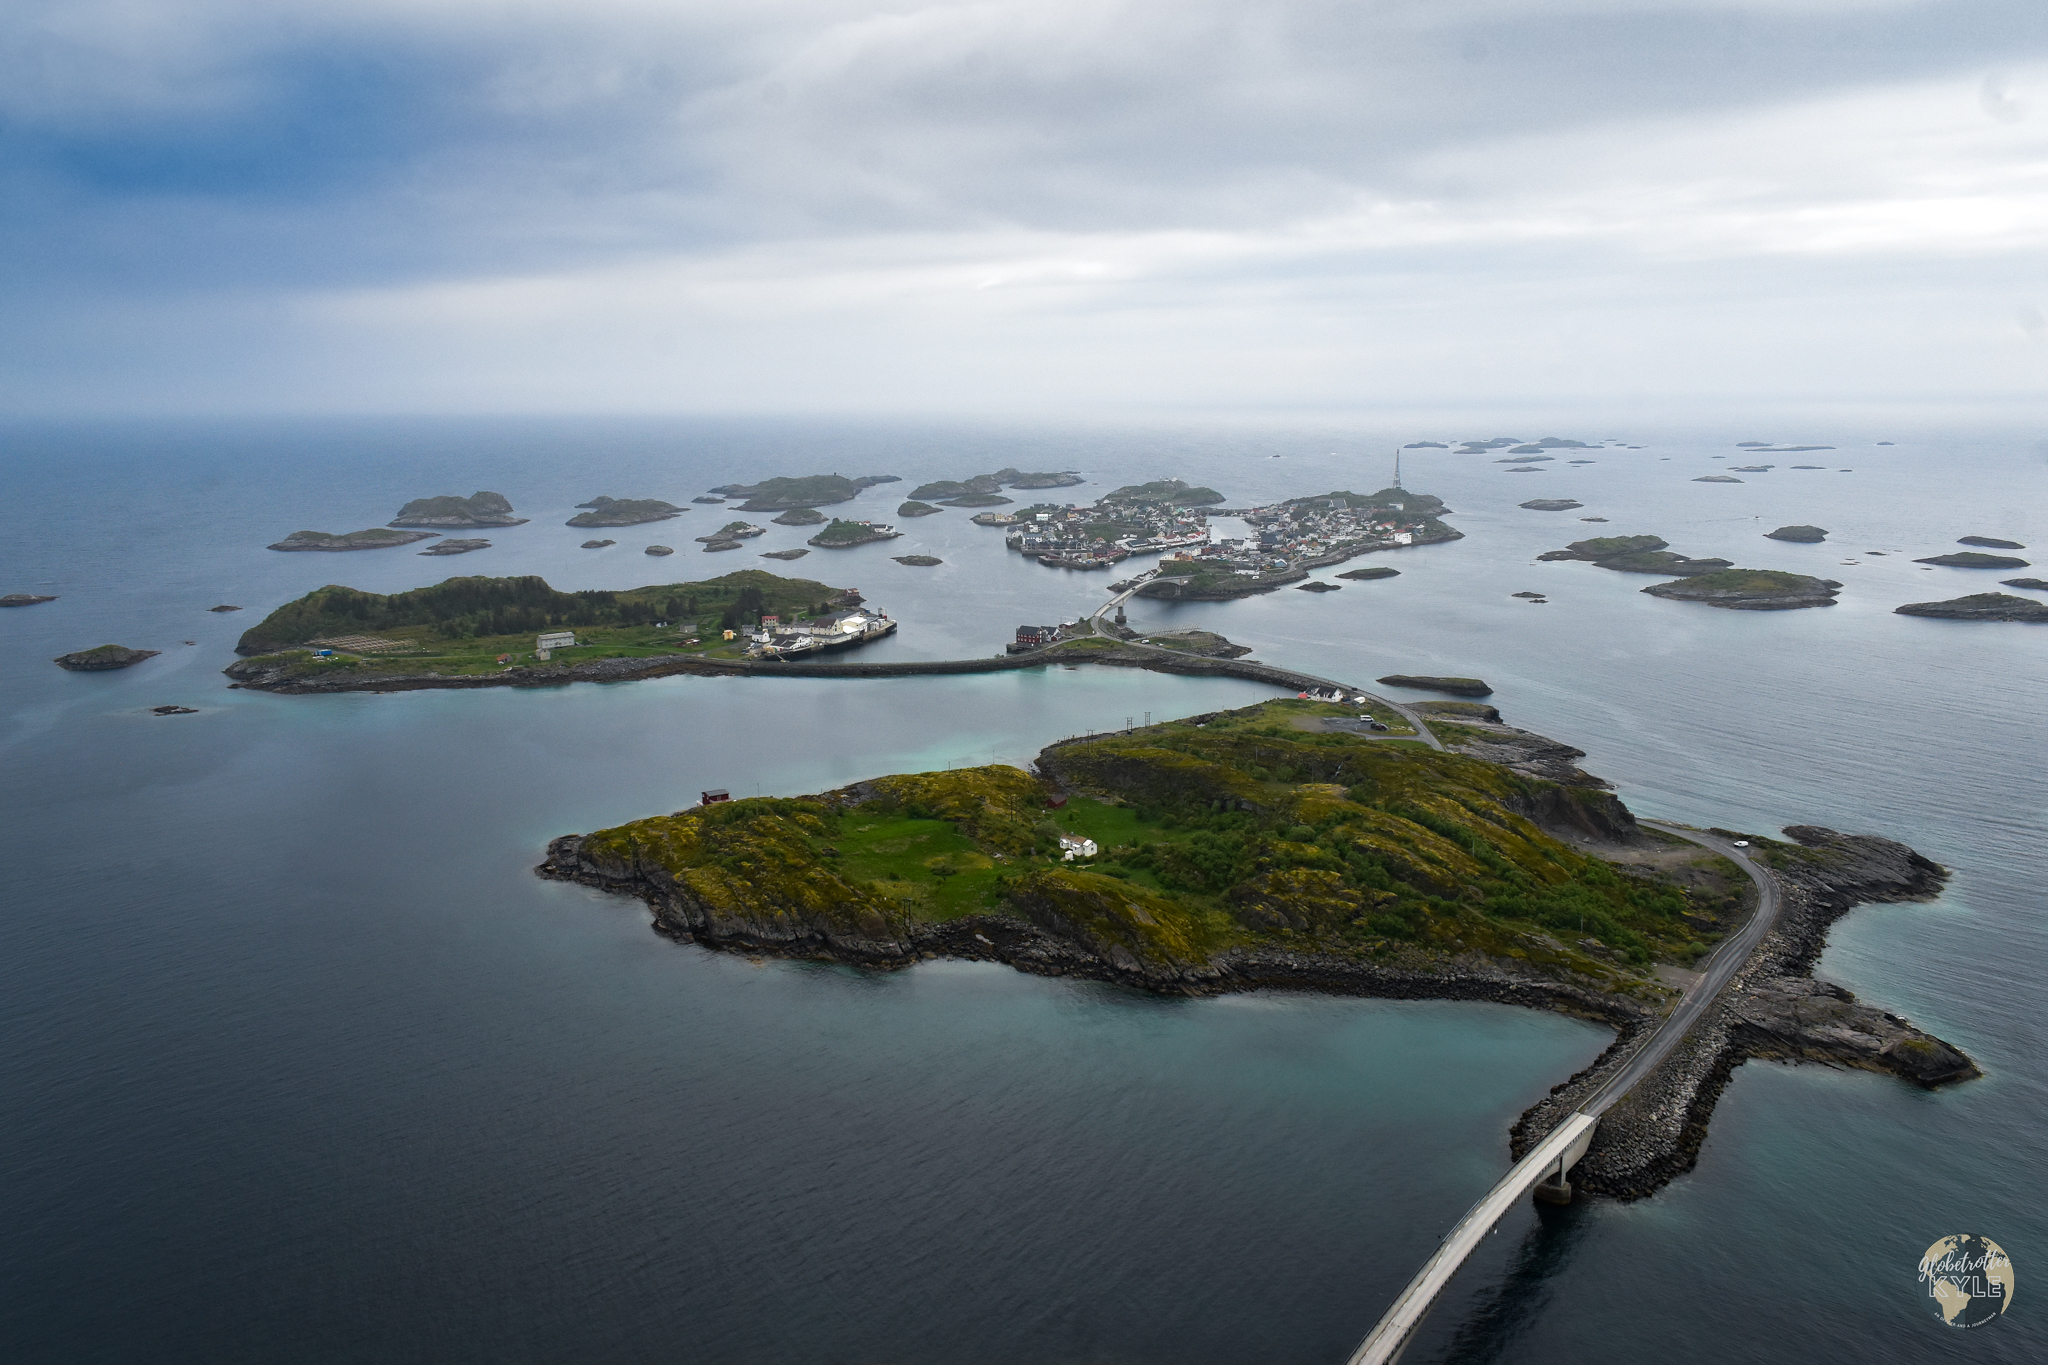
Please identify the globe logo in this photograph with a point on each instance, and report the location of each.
(1968, 1281)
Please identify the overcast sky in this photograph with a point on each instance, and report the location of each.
(1017, 205)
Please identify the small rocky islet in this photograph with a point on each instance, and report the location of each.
(624, 512)
(1973, 559)
(845, 535)
(914, 508)
(1980, 606)
(1751, 590)
(1368, 575)
(103, 658)
(457, 547)
(29, 599)
(478, 509)
(1798, 535)
(1457, 687)
(371, 538)
(1989, 543)
(1714, 582)
(918, 561)
(810, 490)
(1551, 505)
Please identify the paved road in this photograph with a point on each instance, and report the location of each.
(1720, 966)
(1566, 1142)
(1422, 731)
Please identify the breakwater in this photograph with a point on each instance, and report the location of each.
(262, 675)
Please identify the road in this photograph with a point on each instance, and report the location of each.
(1721, 966)
(1567, 1142)
(1422, 731)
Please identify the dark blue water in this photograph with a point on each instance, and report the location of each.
(302, 1063)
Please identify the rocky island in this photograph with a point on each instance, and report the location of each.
(1635, 554)
(802, 516)
(914, 508)
(1989, 543)
(812, 490)
(918, 561)
(1979, 606)
(1457, 687)
(374, 538)
(624, 512)
(1801, 535)
(1166, 492)
(1551, 505)
(986, 485)
(454, 632)
(1368, 575)
(2037, 584)
(844, 535)
(736, 530)
(457, 547)
(478, 509)
(29, 599)
(102, 658)
(1287, 845)
(1971, 559)
(1751, 590)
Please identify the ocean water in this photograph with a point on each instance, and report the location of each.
(302, 1063)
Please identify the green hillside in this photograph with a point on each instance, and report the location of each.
(1259, 826)
(486, 617)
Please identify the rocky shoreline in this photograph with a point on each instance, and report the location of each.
(1773, 1009)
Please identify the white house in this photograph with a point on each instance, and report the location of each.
(1074, 846)
(558, 639)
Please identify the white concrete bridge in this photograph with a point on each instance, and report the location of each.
(1548, 1163)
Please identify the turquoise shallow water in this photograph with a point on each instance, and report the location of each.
(302, 1062)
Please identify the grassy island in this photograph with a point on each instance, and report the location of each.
(1170, 492)
(624, 512)
(841, 535)
(811, 490)
(464, 625)
(1261, 828)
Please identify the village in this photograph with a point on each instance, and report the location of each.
(1285, 539)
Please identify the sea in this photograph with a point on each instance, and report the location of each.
(300, 1062)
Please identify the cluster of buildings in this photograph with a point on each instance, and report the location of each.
(1069, 537)
(1308, 533)
(775, 638)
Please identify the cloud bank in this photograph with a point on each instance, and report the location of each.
(453, 205)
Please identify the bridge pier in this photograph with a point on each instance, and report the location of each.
(1556, 1190)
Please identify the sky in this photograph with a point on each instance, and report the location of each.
(1044, 206)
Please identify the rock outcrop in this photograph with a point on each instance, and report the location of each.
(1979, 606)
(1802, 535)
(1457, 687)
(478, 509)
(374, 538)
(1772, 1009)
(624, 512)
(1751, 590)
(102, 658)
(1970, 559)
